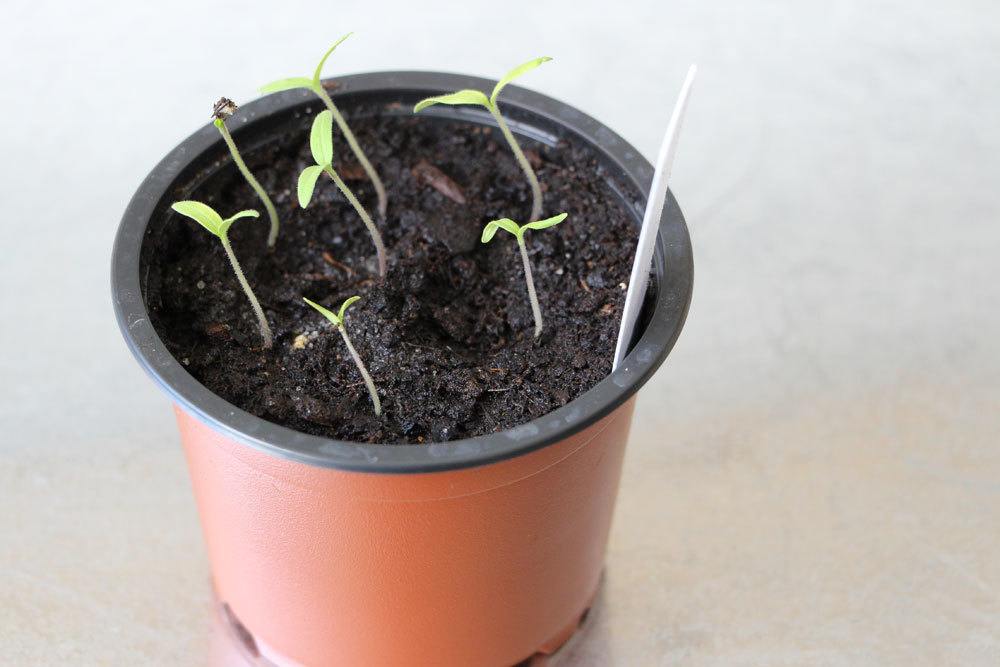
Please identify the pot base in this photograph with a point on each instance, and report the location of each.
(549, 648)
(480, 566)
(242, 648)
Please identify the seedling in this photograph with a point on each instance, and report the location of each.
(518, 231)
(223, 109)
(321, 145)
(490, 103)
(315, 84)
(206, 216)
(337, 319)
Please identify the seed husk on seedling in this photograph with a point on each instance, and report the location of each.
(321, 145)
(490, 103)
(206, 216)
(337, 319)
(315, 84)
(518, 231)
(223, 109)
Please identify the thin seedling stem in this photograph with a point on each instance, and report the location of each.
(517, 231)
(372, 229)
(536, 190)
(356, 149)
(272, 213)
(265, 329)
(364, 371)
(532, 297)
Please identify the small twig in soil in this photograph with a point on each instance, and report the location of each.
(352, 172)
(427, 173)
(328, 258)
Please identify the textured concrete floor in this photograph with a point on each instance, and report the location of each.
(814, 476)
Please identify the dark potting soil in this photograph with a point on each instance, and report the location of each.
(448, 334)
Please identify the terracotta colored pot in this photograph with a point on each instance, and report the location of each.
(479, 552)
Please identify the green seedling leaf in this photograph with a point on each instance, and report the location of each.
(504, 223)
(490, 103)
(518, 231)
(514, 73)
(460, 97)
(335, 319)
(315, 84)
(228, 222)
(286, 84)
(248, 213)
(321, 144)
(338, 321)
(319, 67)
(547, 222)
(203, 214)
(346, 305)
(206, 216)
(307, 183)
(321, 138)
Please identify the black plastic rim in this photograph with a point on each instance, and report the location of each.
(532, 115)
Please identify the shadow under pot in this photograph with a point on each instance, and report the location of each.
(484, 550)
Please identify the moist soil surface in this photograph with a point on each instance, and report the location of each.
(448, 333)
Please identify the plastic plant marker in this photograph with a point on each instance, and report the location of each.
(651, 222)
(490, 104)
(207, 217)
(315, 84)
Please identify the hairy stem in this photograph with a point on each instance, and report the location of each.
(356, 149)
(364, 371)
(536, 189)
(265, 329)
(367, 219)
(532, 297)
(272, 213)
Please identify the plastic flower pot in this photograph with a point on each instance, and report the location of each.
(482, 551)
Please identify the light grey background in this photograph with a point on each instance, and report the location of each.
(814, 476)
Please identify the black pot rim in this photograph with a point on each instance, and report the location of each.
(531, 113)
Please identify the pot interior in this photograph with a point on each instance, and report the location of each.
(200, 159)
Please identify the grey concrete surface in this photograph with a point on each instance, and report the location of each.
(814, 476)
